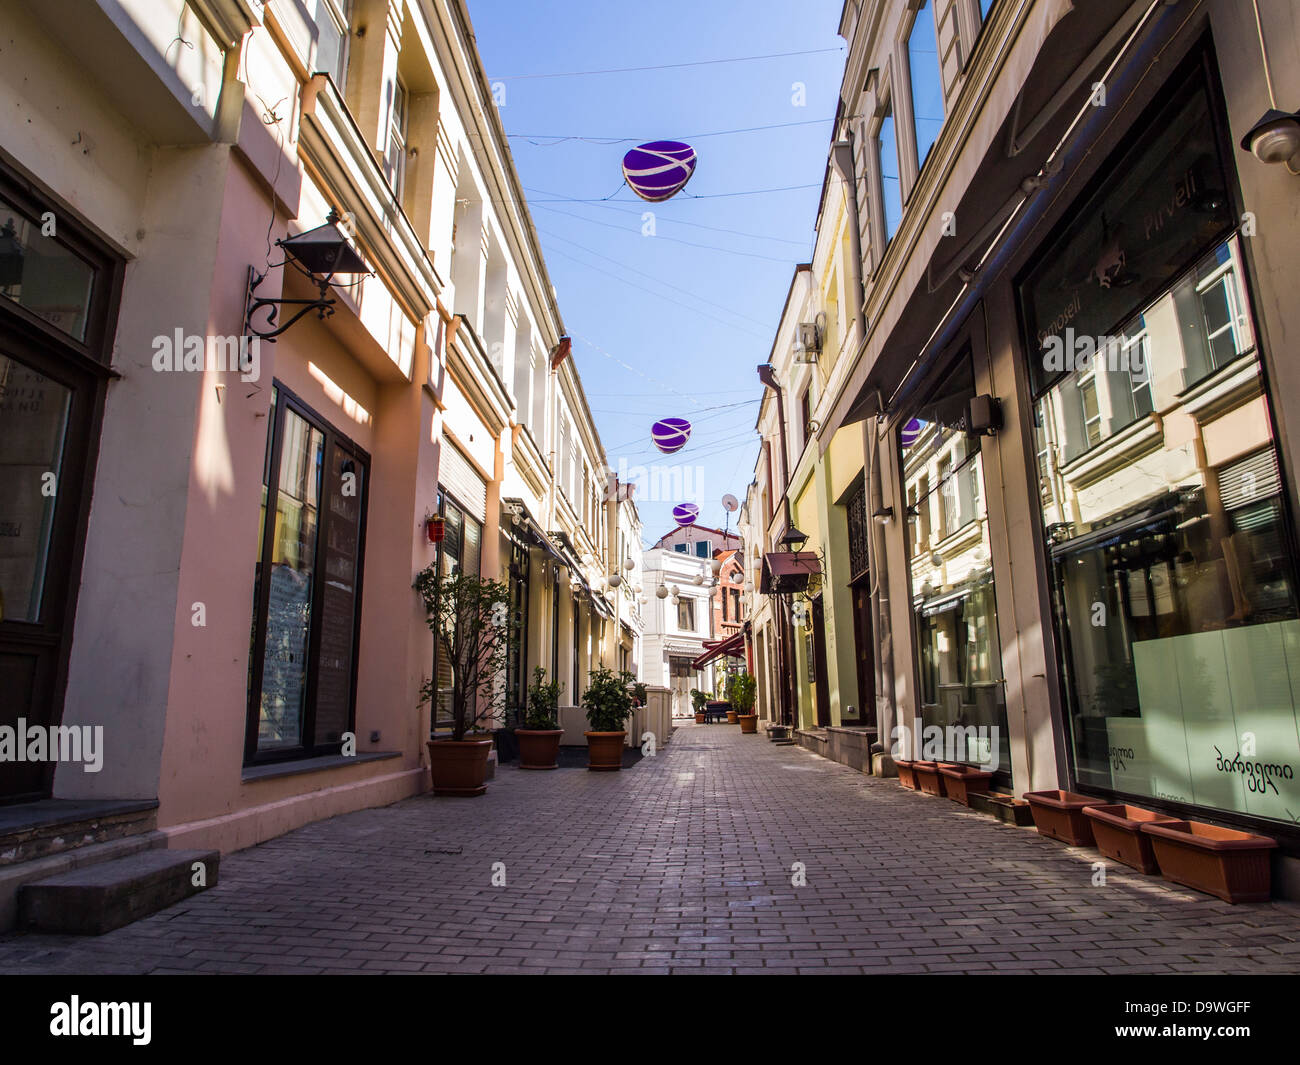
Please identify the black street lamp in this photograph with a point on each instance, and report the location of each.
(318, 253)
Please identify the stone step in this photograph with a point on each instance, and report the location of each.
(98, 898)
(13, 877)
(35, 830)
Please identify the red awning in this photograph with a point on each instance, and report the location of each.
(788, 571)
(732, 645)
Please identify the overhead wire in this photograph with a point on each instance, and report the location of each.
(661, 66)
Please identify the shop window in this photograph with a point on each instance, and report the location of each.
(926, 81)
(42, 275)
(459, 552)
(686, 614)
(953, 601)
(307, 590)
(890, 187)
(1174, 591)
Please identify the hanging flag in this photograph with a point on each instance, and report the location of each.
(659, 170)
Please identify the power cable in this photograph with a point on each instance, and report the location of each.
(662, 66)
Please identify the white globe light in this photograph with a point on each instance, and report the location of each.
(697, 579)
(629, 565)
(717, 567)
(662, 593)
(675, 590)
(615, 580)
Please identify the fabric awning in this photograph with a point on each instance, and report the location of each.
(732, 645)
(788, 571)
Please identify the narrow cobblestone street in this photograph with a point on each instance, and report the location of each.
(680, 864)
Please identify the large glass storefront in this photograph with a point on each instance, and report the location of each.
(962, 691)
(1167, 533)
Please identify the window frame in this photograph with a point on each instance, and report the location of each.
(285, 401)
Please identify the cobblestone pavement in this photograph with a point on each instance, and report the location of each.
(681, 864)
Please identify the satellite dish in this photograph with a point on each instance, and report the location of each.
(730, 503)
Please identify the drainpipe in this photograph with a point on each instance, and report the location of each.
(882, 640)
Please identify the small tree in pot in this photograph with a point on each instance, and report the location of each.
(608, 704)
(471, 621)
(539, 739)
(698, 701)
(744, 689)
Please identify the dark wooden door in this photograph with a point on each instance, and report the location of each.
(864, 653)
(48, 422)
(822, 683)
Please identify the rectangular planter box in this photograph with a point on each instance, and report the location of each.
(1118, 832)
(928, 778)
(1219, 861)
(906, 773)
(1006, 808)
(1059, 814)
(961, 782)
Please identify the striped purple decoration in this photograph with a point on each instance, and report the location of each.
(670, 434)
(659, 170)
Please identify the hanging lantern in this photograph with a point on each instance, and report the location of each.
(907, 435)
(629, 565)
(615, 580)
(662, 592)
(659, 170)
(685, 513)
(716, 567)
(670, 434)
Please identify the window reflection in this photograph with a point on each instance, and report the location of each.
(1172, 586)
(887, 153)
(927, 86)
(42, 275)
(952, 577)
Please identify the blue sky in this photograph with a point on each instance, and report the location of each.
(671, 324)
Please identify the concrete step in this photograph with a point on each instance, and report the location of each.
(98, 898)
(34, 830)
(13, 877)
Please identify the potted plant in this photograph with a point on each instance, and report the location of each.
(744, 692)
(907, 773)
(729, 693)
(1059, 814)
(1235, 866)
(639, 696)
(539, 739)
(608, 705)
(473, 625)
(698, 700)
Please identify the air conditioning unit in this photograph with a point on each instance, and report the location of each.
(808, 345)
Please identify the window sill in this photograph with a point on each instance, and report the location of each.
(275, 770)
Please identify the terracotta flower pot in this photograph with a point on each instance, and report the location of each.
(731, 717)
(459, 767)
(699, 718)
(1219, 861)
(960, 782)
(539, 748)
(928, 778)
(1118, 832)
(906, 773)
(605, 751)
(1059, 814)
(748, 724)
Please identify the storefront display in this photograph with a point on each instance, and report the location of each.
(1173, 585)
